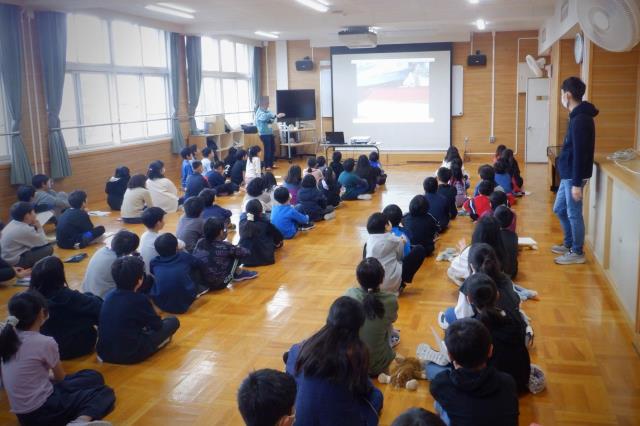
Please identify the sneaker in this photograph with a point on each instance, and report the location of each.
(245, 275)
(307, 226)
(442, 321)
(395, 340)
(425, 354)
(529, 336)
(364, 197)
(330, 216)
(570, 258)
(560, 249)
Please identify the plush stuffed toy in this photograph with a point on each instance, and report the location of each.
(405, 372)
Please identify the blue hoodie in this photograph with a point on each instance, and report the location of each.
(576, 158)
(286, 219)
(173, 290)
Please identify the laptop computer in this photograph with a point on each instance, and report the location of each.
(335, 138)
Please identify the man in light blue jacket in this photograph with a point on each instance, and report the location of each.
(264, 118)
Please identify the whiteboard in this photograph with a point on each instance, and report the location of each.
(457, 90)
(326, 104)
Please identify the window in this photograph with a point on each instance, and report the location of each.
(117, 72)
(226, 82)
(5, 126)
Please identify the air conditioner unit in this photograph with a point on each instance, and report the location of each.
(358, 37)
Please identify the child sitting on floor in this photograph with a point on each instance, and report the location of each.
(336, 164)
(499, 198)
(237, 171)
(422, 227)
(286, 218)
(312, 202)
(74, 228)
(191, 224)
(505, 216)
(330, 187)
(186, 170)
(153, 220)
(221, 259)
(27, 193)
(389, 250)
(313, 169)
(486, 172)
(502, 177)
(130, 330)
(207, 156)
(116, 187)
(253, 167)
(259, 236)
(213, 210)
(460, 182)
(355, 188)
(448, 191)
(270, 185)
(394, 214)
(513, 169)
(136, 199)
(73, 316)
(472, 393)
(267, 398)
(218, 181)
(45, 195)
(178, 276)
(39, 391)
(480, 205)
(380, 310)
(256, 190)
(195, 182)
(439, 206)
(23, 241)
(374, 160)
(292, 182)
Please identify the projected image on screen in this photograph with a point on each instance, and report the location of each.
(393, 90)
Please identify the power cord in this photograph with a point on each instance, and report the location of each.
(628, 154)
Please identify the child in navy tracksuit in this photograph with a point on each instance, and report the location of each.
(195, 182)
(218, 181)
(421, 226)
(130, 330)
(187, 170)
(74, 227)
(447, 191)
(312, 202)
(330, 187)
(439, 206)
(214, 210)
(178, 276)
(259, 236)
(287, 219)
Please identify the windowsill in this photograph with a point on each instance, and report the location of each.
(79, 152)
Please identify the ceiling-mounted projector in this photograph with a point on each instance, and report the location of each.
(358, 37)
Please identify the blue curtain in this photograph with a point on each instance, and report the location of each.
(257, 75)
(177, 142)
(52, 37)
(11, 61)
(194, 78)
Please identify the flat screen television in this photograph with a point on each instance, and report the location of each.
(297, 105)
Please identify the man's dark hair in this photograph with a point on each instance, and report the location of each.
(486, 172)
(377, 223)
(468, 342)
(185, 152)
(348, 165)
(486, 187)
(20, 209)
(39, 180)
(77, 199)
(151, 216)
(196, 164)
(26, 193)
(124, 242)
(206, 151)
(444, 174)
(575, 86)
(281, 194)
(265, 396)
(193, 207)
(417, 416)
(166, 245)
(430, 185)
(394, 213)
(127, 271)
(208, 196)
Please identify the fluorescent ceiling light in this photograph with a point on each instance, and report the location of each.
(177, 7)
(315, 5)
(481, 24)
(474, 1)
(168, 11)
(266, 34)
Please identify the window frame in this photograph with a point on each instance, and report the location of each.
(227, 75)
(112, 71)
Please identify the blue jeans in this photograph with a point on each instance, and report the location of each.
(450, 315)
(569, 211)
(432, 370)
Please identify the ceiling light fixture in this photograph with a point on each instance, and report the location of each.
(168, 11)
(474, 1)
(266, 34)
(481, 24)
(315, 5)
(177, 7)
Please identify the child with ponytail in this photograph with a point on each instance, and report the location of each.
(313, 169)
(29, 357)
(259, 236)
(380, 310)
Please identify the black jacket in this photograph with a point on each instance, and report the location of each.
(510, 261)
(260, 238)
(449, 192)
(312, 201)
(71, 225)
(439, 208)
(477, 398)
(576, 158)
(421, 230)
(115, 189)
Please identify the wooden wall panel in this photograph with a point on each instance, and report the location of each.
(614, 91)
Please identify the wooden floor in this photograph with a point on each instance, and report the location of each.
(583, 340)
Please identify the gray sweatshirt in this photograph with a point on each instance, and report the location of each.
(17, 238)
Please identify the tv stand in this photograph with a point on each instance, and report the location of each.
(300, 131)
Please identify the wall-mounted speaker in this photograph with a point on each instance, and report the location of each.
(305, 64)
(477, 60)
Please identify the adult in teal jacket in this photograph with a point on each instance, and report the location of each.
(263, 120)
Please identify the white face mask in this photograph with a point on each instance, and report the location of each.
(564, 99)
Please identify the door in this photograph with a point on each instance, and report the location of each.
(537, 120)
